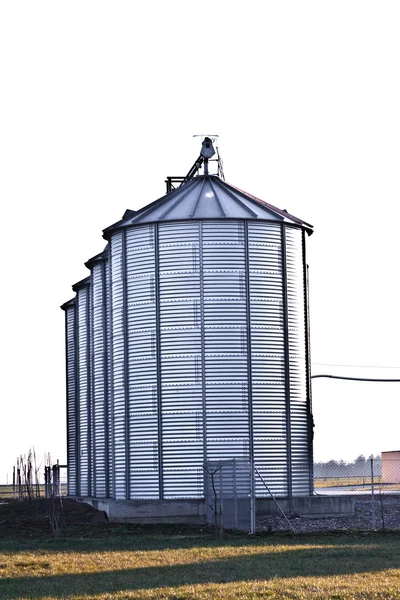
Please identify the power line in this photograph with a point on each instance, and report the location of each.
(356, 378)
(355, 366)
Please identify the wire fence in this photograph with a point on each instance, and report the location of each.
(372, 485)
(229, 494)
(358, 477)
(51, 482)
(355, 496)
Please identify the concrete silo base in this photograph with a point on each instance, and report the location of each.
(307, 506)
(150, 511)
(194, 511)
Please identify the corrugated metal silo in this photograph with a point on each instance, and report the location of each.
(101, 421)
(72, 396)
(83, 387)
(192, 345)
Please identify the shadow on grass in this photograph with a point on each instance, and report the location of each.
(149, 539)
(372, 557)
(128, 541)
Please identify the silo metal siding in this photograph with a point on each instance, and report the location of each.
(99, 381)
(208, 355)
(91, 397)
(110, 397)
(180, 359)
(72, 431)
(118, 365)
(143, 378)
(268, 356)
(225, 340)
(299, 425)
(190, 344)
(84, 389)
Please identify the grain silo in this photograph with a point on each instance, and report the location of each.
(189, 342)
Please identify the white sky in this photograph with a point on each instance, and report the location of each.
(98, 104)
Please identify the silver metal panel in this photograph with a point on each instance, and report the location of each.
(118, 365)
(91, 399)
(226, 361)
(268, 354)
(297, 362)
(110, 397)
(72, 450)
(99, 380)
(142, 366)
(84, 391)
(181, 365)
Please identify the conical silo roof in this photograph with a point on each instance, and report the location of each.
(206, 197)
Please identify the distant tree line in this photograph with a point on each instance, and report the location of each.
(360, 467)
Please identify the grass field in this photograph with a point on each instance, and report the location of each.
(104, 561)
(7, 491)
(193, 566)
(354, 483)
(322, 482)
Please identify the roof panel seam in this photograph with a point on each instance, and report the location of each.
(227, 190)
(218, 200)
(197, 200)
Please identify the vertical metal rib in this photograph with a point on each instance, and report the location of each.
(77, 398)
(202, 344)
(67, 402)
(286, 359)
(248, 331)
(92, 437)
(308, 367)
(126, 365)
(110, 347)
(88, 388)
(105, 373)
(158, 354)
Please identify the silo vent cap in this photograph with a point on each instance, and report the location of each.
(207, 148)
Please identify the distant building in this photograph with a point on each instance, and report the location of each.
(391, 466)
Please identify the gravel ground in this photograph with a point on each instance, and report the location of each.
(385, 506)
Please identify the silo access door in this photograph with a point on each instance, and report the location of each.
(229, 494)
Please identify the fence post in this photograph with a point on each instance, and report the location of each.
(19, 483)
(235, 508)
(47, 482)
(252, 499)
(221, 499)
(56, 480)
(372, 494)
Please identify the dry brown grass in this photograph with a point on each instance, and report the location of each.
(199, 567)
(107, 562)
